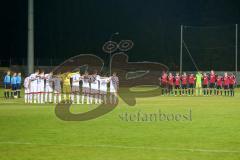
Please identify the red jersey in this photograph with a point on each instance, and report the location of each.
(212, 78)
(177, 80)
(219, 81)
(170, 80)
(164, 78)
(184, 80)
(232, 80)
(205, 80)
(191, 79)
(226, 80)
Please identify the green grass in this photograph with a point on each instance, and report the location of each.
(34, 132)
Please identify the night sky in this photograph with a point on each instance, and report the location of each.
(64, 28)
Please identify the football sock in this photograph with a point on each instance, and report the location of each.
(88, 99)
(115, 99)
(55, 98)
(78, 98)
(46, 97)
(110, 98)
(100, 99)
(83, 99)
(5, 94)
(26, 98)
(91, 99)
(30, 98)
(50, 97)
(96, 99)
(38, 98)
(72, 98)
(34, 98)
(105, 99)
(42, 98)
(59, 98)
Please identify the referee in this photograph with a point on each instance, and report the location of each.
(7, 84)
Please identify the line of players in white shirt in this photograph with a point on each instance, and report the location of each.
(41, 88)
(94, 87)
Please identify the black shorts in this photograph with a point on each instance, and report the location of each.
(226, 87)
(14, 87)
(184, 86)
(18, 86)
(170, 86)
(212, 85)
(205, 86)
(231, 86)
(7, 86)
(219, 87)
(177, 87)
(191, 85)
(164, 85)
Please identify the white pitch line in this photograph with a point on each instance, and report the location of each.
(128, 147)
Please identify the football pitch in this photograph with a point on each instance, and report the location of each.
(208, 129)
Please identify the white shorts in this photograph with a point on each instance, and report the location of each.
(48, 89)
(26, 90)
(94, 91)
(57, 92)
(85, 90)
(75, 89)
(57, 89)
(103, 92)
(40, 88)
(113, 90)
(33, 89)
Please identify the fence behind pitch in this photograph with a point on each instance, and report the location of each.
(47, 69)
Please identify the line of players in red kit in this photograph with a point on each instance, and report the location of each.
(211, 84)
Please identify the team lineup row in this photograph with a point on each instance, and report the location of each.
(73, 87)
(70, 87)
(211, 84)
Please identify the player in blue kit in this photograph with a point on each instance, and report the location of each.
(7, 84)
(19, 81)
(14, 85)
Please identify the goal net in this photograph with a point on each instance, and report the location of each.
(209, 47)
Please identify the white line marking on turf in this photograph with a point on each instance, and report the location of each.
(128, 147)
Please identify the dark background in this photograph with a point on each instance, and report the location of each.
(64, 28)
